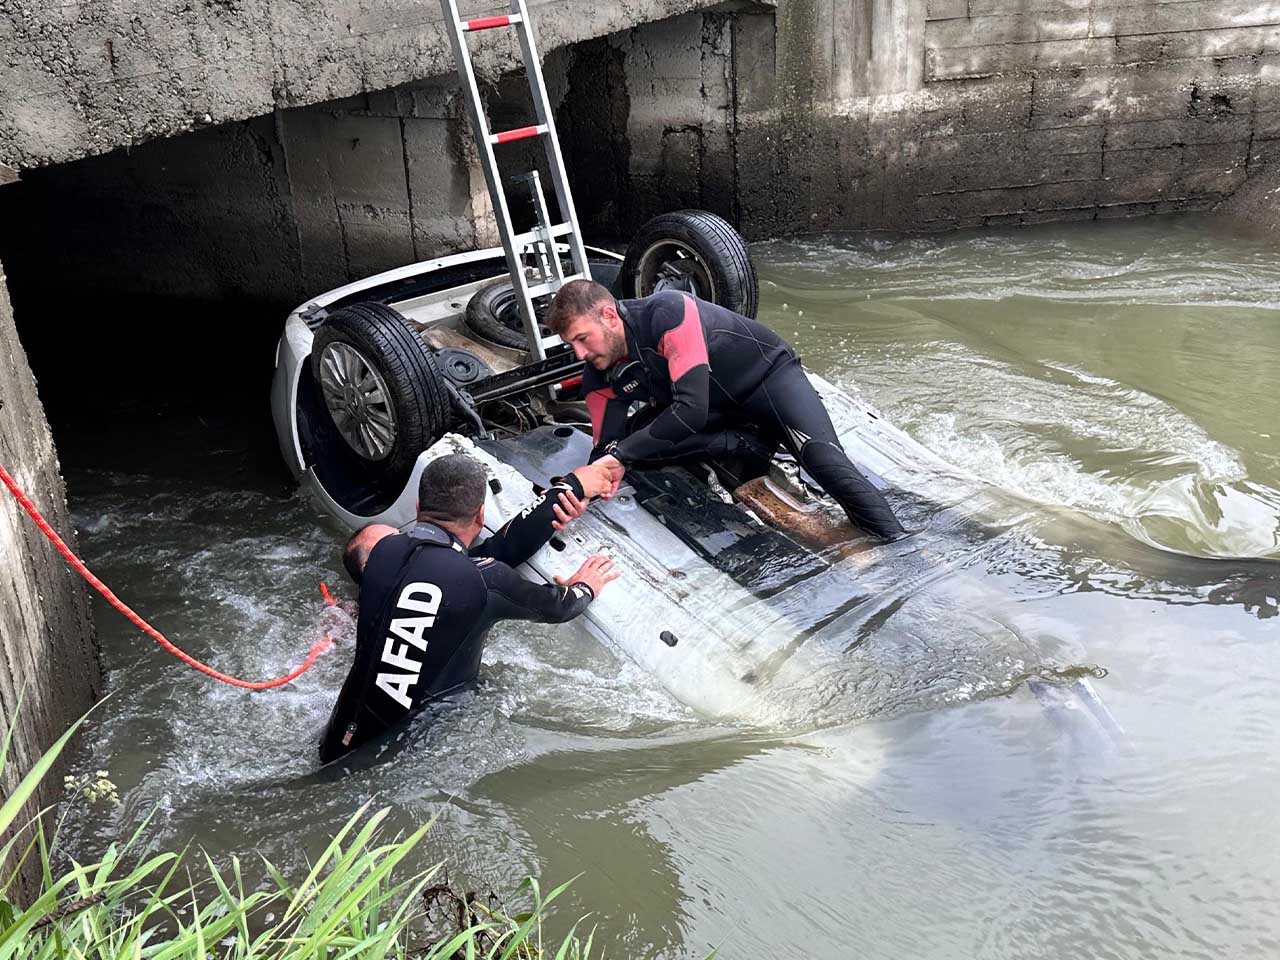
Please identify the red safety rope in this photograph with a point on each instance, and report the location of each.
(316, 649)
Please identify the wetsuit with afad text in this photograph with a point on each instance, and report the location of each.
(704, 369)
(426, 607)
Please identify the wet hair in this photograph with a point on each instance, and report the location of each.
(573, 300)
(451, 489)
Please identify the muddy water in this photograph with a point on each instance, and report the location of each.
(1110, 391)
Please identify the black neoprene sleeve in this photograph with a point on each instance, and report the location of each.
(512, 597)
(521, 536)
(686, 416)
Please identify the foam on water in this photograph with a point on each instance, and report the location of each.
(1062, 437)
(967, 342)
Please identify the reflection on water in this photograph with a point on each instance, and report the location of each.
(1104, 393)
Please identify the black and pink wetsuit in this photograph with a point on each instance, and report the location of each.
(706, 370)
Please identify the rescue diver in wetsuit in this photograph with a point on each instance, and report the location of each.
(704, 369)
(428, 597)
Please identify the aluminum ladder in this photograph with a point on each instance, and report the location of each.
(544, 236)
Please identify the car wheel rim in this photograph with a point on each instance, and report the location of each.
(673, 265)
(359, 401)
(507, 311)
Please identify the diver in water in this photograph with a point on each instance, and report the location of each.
(428, 597)
(708, 373)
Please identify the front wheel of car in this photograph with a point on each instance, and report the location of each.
(382, 387)
(695, 252)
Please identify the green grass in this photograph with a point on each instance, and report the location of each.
(354, 903)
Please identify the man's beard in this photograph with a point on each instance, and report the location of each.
(616, 342)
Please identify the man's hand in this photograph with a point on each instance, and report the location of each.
(569, 508)
(595, 573)
(602, 478)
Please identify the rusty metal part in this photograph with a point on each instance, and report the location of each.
(809, 522)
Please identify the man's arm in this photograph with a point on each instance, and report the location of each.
(512, 597)
(522, 536)
(608, 417)
(684, 346)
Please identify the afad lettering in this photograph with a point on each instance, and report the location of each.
(422, 598)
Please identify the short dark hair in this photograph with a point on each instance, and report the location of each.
(356, 554)
(573, 300)
(451, 488)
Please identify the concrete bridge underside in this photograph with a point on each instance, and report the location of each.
(82, 78)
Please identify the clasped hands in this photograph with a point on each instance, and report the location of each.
(599, 479)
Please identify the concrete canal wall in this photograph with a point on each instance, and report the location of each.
(83, 78)
(930, 114)
(256, 149)
(48, 657)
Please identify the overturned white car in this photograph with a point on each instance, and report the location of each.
(733, 591)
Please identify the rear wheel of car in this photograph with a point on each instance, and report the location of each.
(695, 252)
(382, 387)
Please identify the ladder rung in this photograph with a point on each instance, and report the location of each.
(520, 133)
(551, 286)
(533, 236)
(488, 23)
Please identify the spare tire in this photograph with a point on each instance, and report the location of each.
(382, 387)
(493, 312)
(696, 252)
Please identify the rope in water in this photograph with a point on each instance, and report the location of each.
(78, 565)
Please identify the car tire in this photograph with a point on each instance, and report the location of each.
(696, 252)
(493, 314)
(381, 386)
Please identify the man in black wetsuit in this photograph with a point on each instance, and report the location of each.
(428, 597)
(706, 371)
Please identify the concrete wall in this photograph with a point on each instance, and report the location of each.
(47, 650)
(1255, 207)
(86, 77)
(840, 114)
(272, 209)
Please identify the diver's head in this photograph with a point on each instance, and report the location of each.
(585, 316)
(355, 555)
(451, 495)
